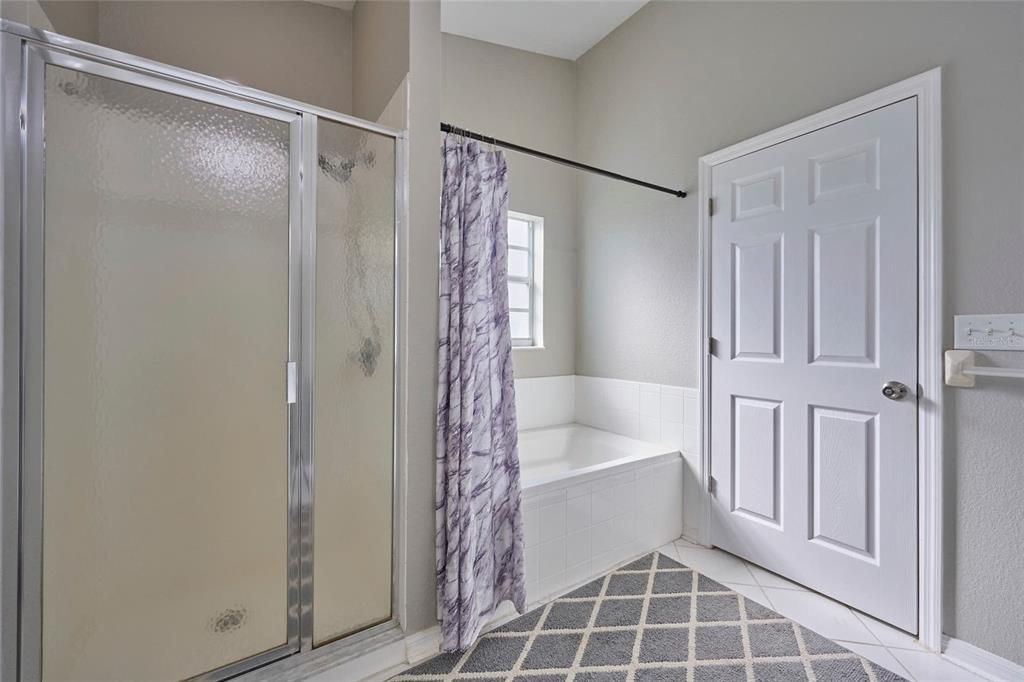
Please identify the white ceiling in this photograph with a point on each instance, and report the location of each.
(558, 28)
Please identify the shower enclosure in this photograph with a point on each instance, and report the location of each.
(199, 349)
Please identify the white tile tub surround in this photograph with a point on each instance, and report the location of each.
(545, 401)
(658, 413)
(579, 528)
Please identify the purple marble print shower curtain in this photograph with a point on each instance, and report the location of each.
(479, 523)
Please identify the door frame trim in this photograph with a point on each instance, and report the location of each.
(927, 88)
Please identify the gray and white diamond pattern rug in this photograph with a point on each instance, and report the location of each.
(652, 620)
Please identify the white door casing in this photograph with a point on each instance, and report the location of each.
(814, 306)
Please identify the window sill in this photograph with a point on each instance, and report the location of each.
(515, 348)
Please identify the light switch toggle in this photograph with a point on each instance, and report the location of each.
(989, 331)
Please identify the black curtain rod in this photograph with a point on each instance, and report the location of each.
(449, 128)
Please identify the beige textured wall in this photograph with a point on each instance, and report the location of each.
(679, 80)
(296, 49)
(28, 12)
(529, 99)
(380, 54)
(75, 18)
(300, 50)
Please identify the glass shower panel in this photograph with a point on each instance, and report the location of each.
(165, 508)
(353, 388)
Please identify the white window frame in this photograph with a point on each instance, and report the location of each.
(534, 279)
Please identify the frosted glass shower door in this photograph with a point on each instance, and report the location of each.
(353, 383)
(166, 330)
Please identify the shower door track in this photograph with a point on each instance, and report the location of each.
(24, 52)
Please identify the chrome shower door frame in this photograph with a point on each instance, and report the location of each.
(24, 53)
(36, 57)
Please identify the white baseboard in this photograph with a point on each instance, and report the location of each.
(420, 646)
(985, 663)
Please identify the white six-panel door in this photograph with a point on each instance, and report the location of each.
(814, 309)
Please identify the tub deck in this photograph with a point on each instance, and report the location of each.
(554, 453)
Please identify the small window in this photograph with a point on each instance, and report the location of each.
(525, 277)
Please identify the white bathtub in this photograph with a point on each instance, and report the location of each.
(571, 450)
(592, 500)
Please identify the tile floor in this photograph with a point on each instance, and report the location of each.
(872, 639)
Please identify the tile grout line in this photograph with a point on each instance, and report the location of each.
(910, 676)
(768, 598)
(882, 644)
(761, 587)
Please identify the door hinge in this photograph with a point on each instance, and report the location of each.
(711, 206)
(712, 485)
(711, 345)
(292, 370)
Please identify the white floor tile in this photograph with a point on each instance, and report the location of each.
(768, 579)
(717, 565)
(683, 542)
(752, 592)
(879, 655)
(669, 550)
(824, 616)
(925, 666)
(888, 635)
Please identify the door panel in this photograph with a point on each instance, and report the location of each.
(814, 308)
(757, 311)
(844, 286)
(165, 439)
(757, 458)
(843, 485)
(353, 389)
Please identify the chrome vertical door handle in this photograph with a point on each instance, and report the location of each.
(894, 390)
(292, 380)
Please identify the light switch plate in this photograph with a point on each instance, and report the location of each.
(989, 332)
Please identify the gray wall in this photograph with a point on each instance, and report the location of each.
(420, 293)
(380, 54)
(295, 49)
(679, 80)
(527, 98)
